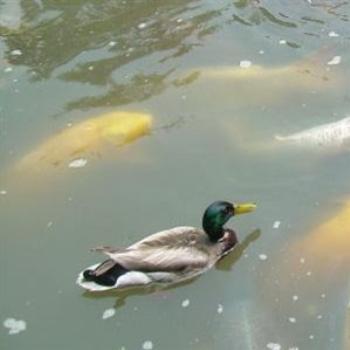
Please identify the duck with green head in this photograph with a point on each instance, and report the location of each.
(168, 256)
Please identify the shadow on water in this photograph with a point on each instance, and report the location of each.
(225, 264)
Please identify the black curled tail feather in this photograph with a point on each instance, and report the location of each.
(106, 274)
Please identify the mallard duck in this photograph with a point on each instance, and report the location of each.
(168, 256)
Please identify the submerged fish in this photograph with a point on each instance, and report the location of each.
(248, 84)
(324, 139)
(330, 241)
(309, 74)
(87, 137)
(331, 135)
(292, 72)
(311, 276)
(325, 249)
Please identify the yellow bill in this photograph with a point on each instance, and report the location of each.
(243, 208)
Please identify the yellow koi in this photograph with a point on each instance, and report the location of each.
(88, 137)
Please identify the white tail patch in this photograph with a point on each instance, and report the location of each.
(133, 279)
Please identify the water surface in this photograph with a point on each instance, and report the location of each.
(63, 62)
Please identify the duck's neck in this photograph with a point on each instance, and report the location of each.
(214, 230)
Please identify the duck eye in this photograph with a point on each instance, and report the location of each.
(226, 210)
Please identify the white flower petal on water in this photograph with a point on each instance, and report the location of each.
(333, 34)
(311, 337)
(335, 60)
(108, 313)
(142, 25)
(3, 192)
(274, 346)
(78, 163)
(19, 327)
(245, 64)
(292, 319)
(9, 322)
(16, 52)
(15, 326)
(295, 298)
(282, 42)
(276, 224)
(8, 69)
(220, 309)
(263, 257)
(147, 345)
(185, 303)
(112, 43)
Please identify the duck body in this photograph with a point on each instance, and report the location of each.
(165, 257)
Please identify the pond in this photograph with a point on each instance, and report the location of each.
(219, 81)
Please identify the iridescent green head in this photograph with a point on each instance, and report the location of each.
(218, 213)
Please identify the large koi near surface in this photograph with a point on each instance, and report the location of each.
(303, 75)
(331, 135)
(312, 283)
(322, 140)
(86, 138)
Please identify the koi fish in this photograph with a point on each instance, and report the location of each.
(331, 135)
(301, 74)
(86, 138)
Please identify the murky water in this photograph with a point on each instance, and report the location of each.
(221, 79)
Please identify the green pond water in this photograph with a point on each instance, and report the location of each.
(65, 61)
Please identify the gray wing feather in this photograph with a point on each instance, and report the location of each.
(107, 249)
(104, 267)
(161, 259)
(168, 256)
(177, 236)
(170, 250)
